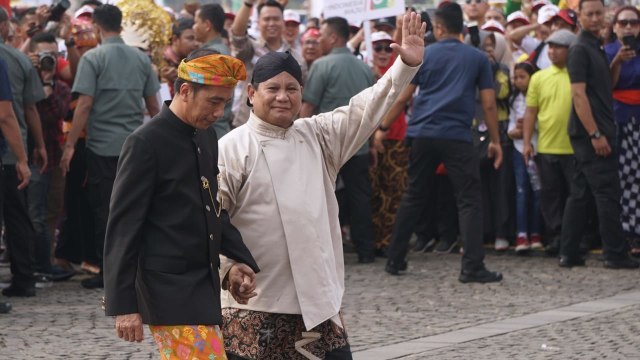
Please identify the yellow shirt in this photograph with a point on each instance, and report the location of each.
(550, 92)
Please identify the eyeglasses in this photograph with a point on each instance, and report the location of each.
(311, 42)
(379, 48)
(627, 22)
(475, 1)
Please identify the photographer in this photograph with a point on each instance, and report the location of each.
(45, 194)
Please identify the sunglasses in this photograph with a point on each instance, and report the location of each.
(625, 22)
(475, 1)
(379, 48)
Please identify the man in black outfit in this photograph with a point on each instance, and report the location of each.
(166, 228)
(592, 132)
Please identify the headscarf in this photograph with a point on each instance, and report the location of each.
(217, 70)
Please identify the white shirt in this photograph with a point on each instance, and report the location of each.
(518, 109)
(278, 186)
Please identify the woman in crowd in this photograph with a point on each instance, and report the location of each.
(625, 72)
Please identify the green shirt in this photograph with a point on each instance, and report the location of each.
(26, 88)
(550, 92)
(117, 77)
(334, 79)
(223, 125)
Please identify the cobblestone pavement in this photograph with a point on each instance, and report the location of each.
(65, 321)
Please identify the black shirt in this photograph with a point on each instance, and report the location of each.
(588, 64)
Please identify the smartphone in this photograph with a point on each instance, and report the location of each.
(630, 41)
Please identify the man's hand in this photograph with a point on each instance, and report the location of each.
(412, 49)
(169, 73)
(65, 162)
(129, 327)
(42, 14)
(494, 151)
(242, 283)
(601, 146)
(378, 137)
(527, 152)
(24, 174)
(40, 158)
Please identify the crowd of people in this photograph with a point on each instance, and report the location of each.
(520, 129)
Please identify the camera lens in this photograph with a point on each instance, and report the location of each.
(47, 62)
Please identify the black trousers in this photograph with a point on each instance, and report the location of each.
(343, 353)
(76, 242)
(498, 195)
(461, 161)
(357, 196)
(599, 177)
(556, 173)
(20, 234)
(440, 219)
(102, 173)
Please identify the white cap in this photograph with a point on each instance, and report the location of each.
(291, 16)
(492, 25)
(380, 36)
(83, 10)
(547, 13)
(518, 16)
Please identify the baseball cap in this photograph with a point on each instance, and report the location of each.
(380, 36)
(85, 10)
(353, 26)
(493, 26)
(538, 4)
(546, 13)
(562, 37)
(385, 22)
(518, 16)
(291, 16)
(569, 16)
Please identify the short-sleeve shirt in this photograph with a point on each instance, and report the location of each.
(26, 89)
(450, 76)
(588, 64)
(550, 92)
(334, 79)
(117, 77)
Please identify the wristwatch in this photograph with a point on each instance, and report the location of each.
(596, 135)
(382, 128)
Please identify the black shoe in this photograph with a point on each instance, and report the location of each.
(366, 259)
(626, 263)
(553, 248)
(445, 246)
(481, 276)
(424, 245)
(59, 274)
(19, 291)
(95, 282)
(395, 268)
(569, 261)
(4, 307)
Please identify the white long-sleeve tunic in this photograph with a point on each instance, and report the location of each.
(278, 186)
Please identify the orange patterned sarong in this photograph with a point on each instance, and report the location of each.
(189, 342)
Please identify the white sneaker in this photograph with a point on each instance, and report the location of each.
(501, 244)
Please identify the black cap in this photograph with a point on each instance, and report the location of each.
(272, 64)
(388, 21)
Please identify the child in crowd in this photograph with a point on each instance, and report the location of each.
(527, 191)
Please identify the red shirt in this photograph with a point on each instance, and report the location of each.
(398, 128)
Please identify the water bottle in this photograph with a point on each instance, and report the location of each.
(534, 178)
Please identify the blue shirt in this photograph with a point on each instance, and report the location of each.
(629, 80)
(450, 75)
(5, 95)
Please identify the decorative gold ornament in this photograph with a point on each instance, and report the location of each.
(146, 25)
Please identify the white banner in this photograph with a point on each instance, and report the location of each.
(356, 11)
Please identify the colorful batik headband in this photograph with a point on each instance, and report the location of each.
(217, 70)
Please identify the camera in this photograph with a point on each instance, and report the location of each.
(57, 9)
(47, 61)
